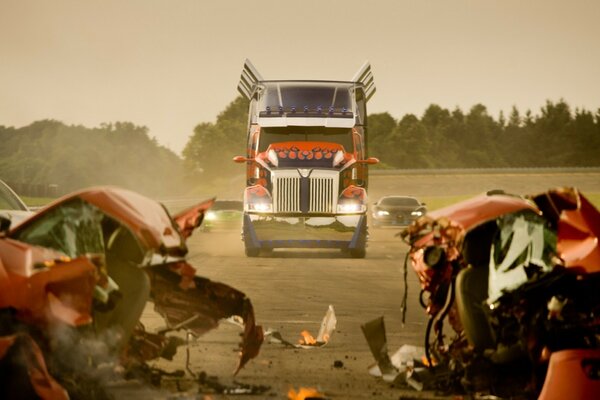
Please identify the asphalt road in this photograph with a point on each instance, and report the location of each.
(291, 291)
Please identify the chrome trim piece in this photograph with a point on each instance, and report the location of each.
(328, 122)
(268, 227)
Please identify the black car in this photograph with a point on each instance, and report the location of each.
(396, 211)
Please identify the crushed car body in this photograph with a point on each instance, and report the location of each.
(87, 264)
(516, 278)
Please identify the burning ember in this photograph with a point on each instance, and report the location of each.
(327, 327)
(305, 393)
(307, 339)
(426, 362)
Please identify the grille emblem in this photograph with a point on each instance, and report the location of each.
(305, 173)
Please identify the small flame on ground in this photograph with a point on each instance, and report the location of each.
(426, 363)
(307, 338)
(304, 393)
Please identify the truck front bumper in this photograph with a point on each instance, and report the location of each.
(269, 231)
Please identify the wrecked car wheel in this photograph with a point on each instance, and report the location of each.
(360, 252)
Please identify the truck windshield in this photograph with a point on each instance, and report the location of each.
(342, 136)
(307, 94)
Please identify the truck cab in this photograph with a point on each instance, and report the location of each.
(306, 163)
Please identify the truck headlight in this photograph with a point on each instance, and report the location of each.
(382, 213)
(257, 199)
(416, 213)
(352, 200)
(259, 207)
(350, 207)
(210, 216)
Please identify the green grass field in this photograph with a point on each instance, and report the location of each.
(36, 201)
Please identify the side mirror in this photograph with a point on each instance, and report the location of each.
(370, 160)
(241, 159)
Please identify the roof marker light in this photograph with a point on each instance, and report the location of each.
(293, 109)
(319, 109)
(305, 109)
(268, 110)
(338, 158)
(330, 110)
(272, 157)
(280, 110)
(344, 110)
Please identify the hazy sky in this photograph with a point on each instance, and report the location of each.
(171, 64)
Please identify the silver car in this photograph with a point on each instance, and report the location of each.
(12, 207)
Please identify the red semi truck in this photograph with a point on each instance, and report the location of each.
(306, 163)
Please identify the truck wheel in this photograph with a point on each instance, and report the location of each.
(252, 252)
(359, 252)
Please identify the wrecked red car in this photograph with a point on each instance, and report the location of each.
(75, 278)
(517, 280)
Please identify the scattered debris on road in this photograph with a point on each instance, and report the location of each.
(210, 384)
(405, 367)
(307, 341)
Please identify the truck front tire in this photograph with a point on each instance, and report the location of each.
(252, 251)
(360, 252)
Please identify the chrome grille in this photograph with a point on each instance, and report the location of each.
(321, 195)
(286, 194)
(321, 191)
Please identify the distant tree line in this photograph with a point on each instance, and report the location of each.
(440, 138)
(212, 146)
(72, 157)
(123, 154)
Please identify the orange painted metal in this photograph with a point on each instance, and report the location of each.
(190, 218)
(477, 210)
(306, 150)
(23, 347)
(578, 236)
(42, 295)
(146, 218)
(572, 374)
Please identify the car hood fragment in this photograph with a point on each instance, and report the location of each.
(195, 303)
(145, 218)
